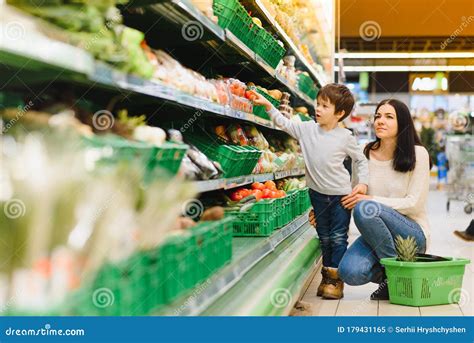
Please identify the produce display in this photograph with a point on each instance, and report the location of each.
(99, 168)
(96, 27)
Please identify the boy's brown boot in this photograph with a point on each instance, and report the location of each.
(324, 281)
(334, 288)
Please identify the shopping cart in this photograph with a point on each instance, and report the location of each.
(460, 153)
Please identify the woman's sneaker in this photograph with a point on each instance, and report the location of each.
(381, 293)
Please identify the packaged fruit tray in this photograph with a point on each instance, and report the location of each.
(235, 160)
(150, 279)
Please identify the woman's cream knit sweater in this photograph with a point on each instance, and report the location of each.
(405, 192)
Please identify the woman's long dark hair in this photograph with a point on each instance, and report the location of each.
(404, 158)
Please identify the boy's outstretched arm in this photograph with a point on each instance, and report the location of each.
(282, 122)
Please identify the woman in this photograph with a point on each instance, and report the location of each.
(399, 174)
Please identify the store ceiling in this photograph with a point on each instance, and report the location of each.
(407, 25)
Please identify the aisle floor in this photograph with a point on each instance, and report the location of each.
(356, 301)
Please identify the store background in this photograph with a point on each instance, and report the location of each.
(110, 69)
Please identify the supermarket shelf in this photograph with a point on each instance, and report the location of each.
(274, 285)
(258, 5)
(248, 252)
(220, 42)
(34, 46)
(229, 183)
(34, 50)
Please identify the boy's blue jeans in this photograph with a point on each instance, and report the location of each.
(378, 225)
(332, 226)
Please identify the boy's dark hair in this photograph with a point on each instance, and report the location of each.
(340, 96)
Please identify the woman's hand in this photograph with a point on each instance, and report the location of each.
(312, 218)
(349, 201)
(259, 99)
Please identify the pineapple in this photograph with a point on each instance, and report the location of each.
(406, 248)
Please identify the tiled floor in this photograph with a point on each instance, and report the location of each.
(356, 301)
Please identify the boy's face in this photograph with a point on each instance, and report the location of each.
(325, 112)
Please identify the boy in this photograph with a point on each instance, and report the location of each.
(325, 146)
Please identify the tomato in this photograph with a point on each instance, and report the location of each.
(258, 194)
(258, 185)
(245, 192)
(266, 193)
(250, 95)
(281, 194)
(270, 185)
(273, 194)
(236, 196)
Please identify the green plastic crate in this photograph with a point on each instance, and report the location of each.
(178, 259)
(235, 160)
(283, 211)
(294, 209)
(304, 201)
(424, 283)
(306, 85)
(150, 279)
(305, 118)
(234, 17)
(153, 159)
(260, 110)
(268, 49)
(169, 156)
(257, 220)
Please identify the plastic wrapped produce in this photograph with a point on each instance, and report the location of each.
(237, 135)
(208, 169)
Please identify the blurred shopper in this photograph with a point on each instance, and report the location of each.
(468, 234)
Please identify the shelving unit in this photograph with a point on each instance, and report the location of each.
(246, 283)
(252, 254)
(234, 182)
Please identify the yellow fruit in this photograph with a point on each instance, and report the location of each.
(257, 21)
(275, 93)
(301, 109)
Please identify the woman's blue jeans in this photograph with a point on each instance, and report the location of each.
(378, 225)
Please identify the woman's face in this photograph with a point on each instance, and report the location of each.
(385, 122)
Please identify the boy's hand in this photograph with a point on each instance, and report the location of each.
(359, 189)
(261, 100)
(357, 194)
